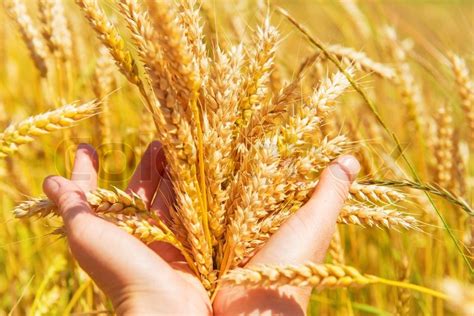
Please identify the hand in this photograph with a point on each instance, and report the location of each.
(139, 280)
(303, 237)
(155, 279)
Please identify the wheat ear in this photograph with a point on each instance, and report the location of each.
(221, 95)
(31, 36)
(443, 147)
(361, 61)
(24, 131)
(466, 91)
(103, 82)
(376, 217)
(260, 61)
(320, 276)
(410, 91)
(181, 64)
(428, 187)
(101, 201)
(110, 37)
(375, 194)
(55, 29)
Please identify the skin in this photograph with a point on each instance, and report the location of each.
(154, 279)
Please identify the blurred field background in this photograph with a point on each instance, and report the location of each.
(38, 275)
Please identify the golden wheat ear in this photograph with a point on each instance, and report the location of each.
(45, 123)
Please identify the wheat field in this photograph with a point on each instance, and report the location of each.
(251, 101)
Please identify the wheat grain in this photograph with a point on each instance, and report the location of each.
(31, 36)
(24, 131)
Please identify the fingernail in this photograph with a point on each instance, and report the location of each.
(345, 167)
(83, 146)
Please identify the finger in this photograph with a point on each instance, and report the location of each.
(306, 235)
(86, 164)
(102, 249)
(148, 173)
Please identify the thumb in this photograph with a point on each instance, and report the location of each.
(69, 198)
(307, 233)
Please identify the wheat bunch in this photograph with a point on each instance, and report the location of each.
(31, 36)
(45, 123)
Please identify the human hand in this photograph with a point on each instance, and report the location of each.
(157, 279)
(303, 237)
(138, 279)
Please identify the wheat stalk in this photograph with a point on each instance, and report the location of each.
(25, 131)
(31, 36)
